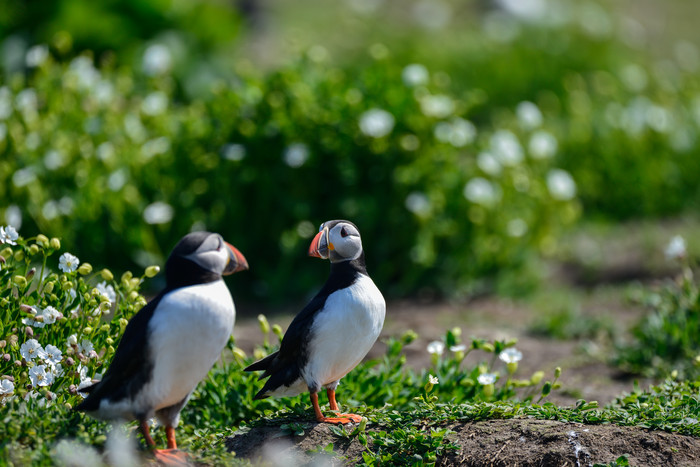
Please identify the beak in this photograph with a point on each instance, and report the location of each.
(237, 261)
(319, 245)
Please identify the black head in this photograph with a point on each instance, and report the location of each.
(202, 257)
(337, 240)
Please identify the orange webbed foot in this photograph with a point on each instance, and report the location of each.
(336, 420)
(172, 457)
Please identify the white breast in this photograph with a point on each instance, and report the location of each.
(344, 331)
(188, 331)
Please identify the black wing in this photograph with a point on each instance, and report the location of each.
(284, 366)
(131, 366)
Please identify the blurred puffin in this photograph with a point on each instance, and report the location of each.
(172, 342)
(334, 332)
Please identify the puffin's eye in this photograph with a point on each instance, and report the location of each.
(343, 232)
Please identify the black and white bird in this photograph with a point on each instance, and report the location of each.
(334, 332)
(172, 342)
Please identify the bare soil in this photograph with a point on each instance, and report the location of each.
(515, 442)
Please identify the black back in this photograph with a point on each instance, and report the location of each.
(284, 366)
(132, 365)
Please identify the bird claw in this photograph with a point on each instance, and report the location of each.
(342, 419)
(172, 457)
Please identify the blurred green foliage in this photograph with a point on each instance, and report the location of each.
(447, 154)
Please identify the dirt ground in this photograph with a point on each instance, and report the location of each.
(516, 442)
(522, 442)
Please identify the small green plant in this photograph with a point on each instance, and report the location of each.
(667, 340)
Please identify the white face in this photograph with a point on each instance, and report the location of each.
(344, 242)
(212, 255)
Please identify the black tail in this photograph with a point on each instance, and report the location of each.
(263, 364)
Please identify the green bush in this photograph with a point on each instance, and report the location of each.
(111, 163)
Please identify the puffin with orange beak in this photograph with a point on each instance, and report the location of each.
(172, 342)
(334, 332)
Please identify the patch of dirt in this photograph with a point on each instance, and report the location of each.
(522, 442)
(583, 376)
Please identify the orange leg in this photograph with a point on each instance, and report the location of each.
(334, 406)
(170, 435)
(147, 434)
(319, 416)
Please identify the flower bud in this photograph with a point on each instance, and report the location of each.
(133, 295)
(546, 389)
(3, 344)
(19, 255)
(33, 249)
(277, 331)
(55, 243)
(238, 353)
(87, 330)
(151, 271)
(258, 354)
(110, 350)
(85, 269)
(29, 331)
(107, 275)
(69, 361)
(68, 406)
(105, 306)
(31, 273)
(456, 331)
(6, 252)
(109, 341)
(409, 336)
(489, 390)
(73, 389)
(48, 288)
(7, 357)
(487, 347)
(42, 240)
(67, 285)
(20, 281)
(126, 277)
(537, 377)
(512, 367)
(557, 372)
(264, 325)
(122, 323)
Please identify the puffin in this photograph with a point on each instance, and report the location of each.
(172, 342)
(334, 332)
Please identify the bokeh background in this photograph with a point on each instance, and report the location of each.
(481, 146)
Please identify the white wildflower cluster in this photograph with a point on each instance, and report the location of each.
(46, 362)
(41, 318)
(9, 235)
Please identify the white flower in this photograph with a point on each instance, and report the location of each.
(511, 355)
(157, 60)
(438, 106)
(529, 115)
(233, 152)
(436, 347)
(36, 55)
(376, 123)
(543, 145)
(415, 75)
(56, 369)
(488, 163)
(433, 379)
(84, 382)
(72, 341)
(517, 227)
(30, 350)
(480, 191)
(107, 291)
(487, 378)
(418, 203)
(68, 262)
(295, 155)
(53, 354)
(458, 348)
(85, 347)
(7, 387)
(50, 315)
(561, 184)
(458, 132)
(676, 248)
(39, 376)
(158, 213)
(155, 103)
(8, 234)
(506, 147)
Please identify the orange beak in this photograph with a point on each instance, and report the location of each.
(319, 245)
(237, 261)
